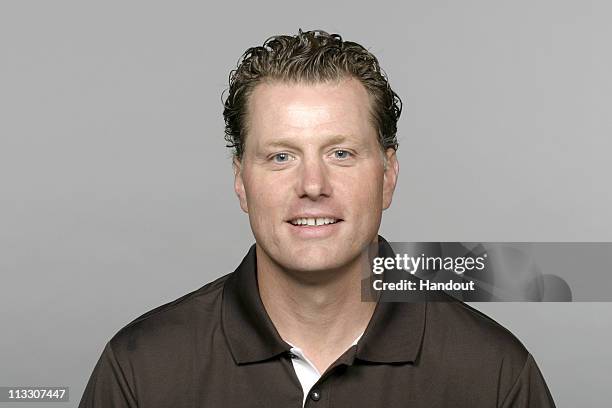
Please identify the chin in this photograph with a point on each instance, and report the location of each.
(311, 267)
(316, 258)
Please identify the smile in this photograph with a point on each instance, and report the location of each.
(313, 221)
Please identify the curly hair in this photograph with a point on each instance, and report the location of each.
(310, 57)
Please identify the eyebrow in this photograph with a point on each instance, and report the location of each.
(288, 142)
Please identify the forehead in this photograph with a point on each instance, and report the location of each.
(309, 111)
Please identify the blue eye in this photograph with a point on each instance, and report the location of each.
(281, 157)
(342, 154)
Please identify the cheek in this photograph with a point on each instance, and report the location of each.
(367, 186)
(266, 196)
(362, 192)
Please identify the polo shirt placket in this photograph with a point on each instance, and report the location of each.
(307, 373)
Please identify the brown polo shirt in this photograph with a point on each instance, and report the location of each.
(217, 347)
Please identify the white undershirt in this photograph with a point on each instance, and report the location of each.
(305, 370)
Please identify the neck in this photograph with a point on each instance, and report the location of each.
(320, 312)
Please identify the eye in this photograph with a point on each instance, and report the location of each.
(342, 154)
(281, 157)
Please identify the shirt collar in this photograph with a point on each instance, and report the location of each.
(250, 333)
(394, 334)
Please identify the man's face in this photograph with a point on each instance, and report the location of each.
(312, 156)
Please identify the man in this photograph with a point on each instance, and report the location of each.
(312, 120)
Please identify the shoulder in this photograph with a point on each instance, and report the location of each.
(156, 350)
(464, 343)
(470, 335)
(173, 324)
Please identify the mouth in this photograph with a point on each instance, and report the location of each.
(314, 221)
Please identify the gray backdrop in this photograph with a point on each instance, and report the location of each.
(116, 188)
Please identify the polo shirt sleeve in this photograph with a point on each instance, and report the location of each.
(109, 385)
(529, 389)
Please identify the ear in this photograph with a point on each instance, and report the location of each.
(239, 184)
(390, 177)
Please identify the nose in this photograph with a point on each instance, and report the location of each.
(313, 180)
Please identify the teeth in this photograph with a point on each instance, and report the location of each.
(313, 221)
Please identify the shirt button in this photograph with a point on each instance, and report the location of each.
(291, 355)
(315, 395)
